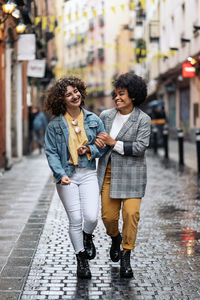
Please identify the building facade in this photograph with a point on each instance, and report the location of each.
(171, 35)
(18, 91)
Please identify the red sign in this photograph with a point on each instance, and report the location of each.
(188, 70)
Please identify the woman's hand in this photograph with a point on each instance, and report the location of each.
(83, 149)
(105, 138)
(99, 142)
(65, 180)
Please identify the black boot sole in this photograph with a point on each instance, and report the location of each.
(122, 275)
(89, 276)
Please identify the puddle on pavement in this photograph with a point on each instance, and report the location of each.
(170, 211)
(187, 238)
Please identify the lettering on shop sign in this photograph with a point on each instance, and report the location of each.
(36, 68)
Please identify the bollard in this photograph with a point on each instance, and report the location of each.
(165, 140)
(155, 138)
(180, 146)
(198, 150)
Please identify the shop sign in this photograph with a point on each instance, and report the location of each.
(36, 68)
(188, 70)
(26, 47)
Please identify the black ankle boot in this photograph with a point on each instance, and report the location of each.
(89, 245)
(115, 248)
(125, 265)
(83, 270)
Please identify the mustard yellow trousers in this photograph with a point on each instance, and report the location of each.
(111, 213)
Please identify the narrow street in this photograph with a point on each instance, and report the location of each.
(165, 262)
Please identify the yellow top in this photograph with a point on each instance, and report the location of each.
(77, 136)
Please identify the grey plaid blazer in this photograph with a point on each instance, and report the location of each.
(128, 171)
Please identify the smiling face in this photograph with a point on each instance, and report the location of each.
(122, 101)
(73, 97)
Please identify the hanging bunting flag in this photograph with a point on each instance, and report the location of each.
(143, 52)
(79, 38)
(103, 11)
(113, 9)
(58, 30)
(69, 17)
(94, 13)
(142, 2)
(44, 22)
(122, 7)
(37, 20)
(52, 19)
(85, 14)
(132, 5)
(137, 51)
(52, 23)
(153, 1)
(51, 27)
(76, 15)
(60, 18)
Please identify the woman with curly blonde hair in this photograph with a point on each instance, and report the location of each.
(71, 153)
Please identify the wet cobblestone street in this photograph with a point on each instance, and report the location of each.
(166, 260)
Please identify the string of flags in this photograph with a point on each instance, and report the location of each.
(97, 68)
(51, 20)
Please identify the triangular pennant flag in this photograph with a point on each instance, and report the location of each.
(58, 30)
(76, 15)
(113, 9)
(85, 14)
(37, 20)
(132, 5)
(69, 17)
(44, 22)
(142, 3)
(94, 13)
(52, 19)
(51, 27)
(60, 18)
(122, 6)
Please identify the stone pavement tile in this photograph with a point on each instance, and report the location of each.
(9, 295)
(10, 284)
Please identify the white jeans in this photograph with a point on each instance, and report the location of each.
(81, 202)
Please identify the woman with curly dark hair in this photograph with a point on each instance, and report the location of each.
(122, 169)
(71, 153)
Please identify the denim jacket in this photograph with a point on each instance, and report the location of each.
(56, 144)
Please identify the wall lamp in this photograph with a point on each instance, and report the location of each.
(7, 9)
(20, 28)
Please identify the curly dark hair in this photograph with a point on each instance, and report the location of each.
(134, 84)
(55, 99)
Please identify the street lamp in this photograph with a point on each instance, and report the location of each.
(7, 9)
(20, 28)
(16, 13)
